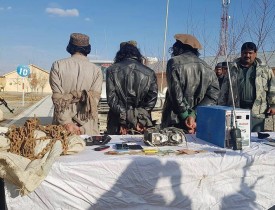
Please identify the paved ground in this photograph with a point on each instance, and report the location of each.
(43, 110)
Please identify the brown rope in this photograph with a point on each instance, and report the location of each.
(23, 141)
(87, 108)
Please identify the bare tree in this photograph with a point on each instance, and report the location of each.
(257, 26)
(261, 27)
(3, 82)
(17, 81)
(42, 81)
(33, 81)
(264, 19)
(236, 31)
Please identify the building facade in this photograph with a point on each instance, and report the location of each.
(37, 81)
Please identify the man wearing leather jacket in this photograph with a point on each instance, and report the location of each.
(191, 83)
(253, 85)
(131, 89)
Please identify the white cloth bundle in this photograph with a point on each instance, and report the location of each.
(27, 174)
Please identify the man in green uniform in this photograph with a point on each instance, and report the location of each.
(253, 85)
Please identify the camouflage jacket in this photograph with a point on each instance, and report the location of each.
(265, 89)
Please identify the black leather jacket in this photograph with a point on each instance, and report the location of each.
(191, 83)
(129, 85)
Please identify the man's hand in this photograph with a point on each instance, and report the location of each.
(191, 124)
(72, 128)
(123, 130)
(271, 111)
(140, 128)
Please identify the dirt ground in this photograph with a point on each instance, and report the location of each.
(15, 102)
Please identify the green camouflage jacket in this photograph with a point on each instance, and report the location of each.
(265, 89)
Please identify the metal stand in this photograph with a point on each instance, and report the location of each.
(2, 195)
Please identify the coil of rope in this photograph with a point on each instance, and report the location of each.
(23, 139)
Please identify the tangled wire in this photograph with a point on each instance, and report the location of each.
(23, 141)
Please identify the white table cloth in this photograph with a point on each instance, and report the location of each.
(92, 180)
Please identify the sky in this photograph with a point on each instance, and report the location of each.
(37, 32)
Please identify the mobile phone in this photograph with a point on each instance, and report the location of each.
(100, 148)
(97, 140)
(220, 151)
(122, 146)
(100, 140)
(135, 147)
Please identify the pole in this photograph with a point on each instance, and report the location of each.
(164, 45)
(23, 93)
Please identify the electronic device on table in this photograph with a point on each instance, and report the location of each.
(169, 136)
(97, 140)
(215, 125)
(224, 127)
(102, 147)
(124, 146)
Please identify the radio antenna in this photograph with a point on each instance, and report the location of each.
(235, 132)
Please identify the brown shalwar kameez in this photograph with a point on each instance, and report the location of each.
(70, 80)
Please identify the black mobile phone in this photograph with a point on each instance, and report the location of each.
(135, 147)
(100, 148)
(97, 140)
(100, 140)
(122, 146)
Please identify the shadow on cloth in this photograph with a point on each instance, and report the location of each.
(138, 187)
